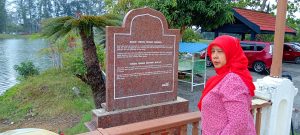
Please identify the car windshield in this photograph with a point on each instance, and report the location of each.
(296, 47)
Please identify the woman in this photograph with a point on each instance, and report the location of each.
(226, 100)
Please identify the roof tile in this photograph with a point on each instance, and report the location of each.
(264, 20)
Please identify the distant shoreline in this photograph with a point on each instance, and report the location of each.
(19, 36)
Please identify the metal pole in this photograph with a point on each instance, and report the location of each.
(292, 128)
(276, 66)
(205, 68)
(192, 86)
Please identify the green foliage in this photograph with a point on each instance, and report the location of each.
(26, 69)
(47, 95)
(80, 127)
(295, 24)
(61, 26)
(190, 35)
(8, 36)
(122, 7)
(58, 47)
(59, 30)
(35, 36)
(83, 25)
(74, 62)
(55, 27)
(17, 36)
(247, 3)
(207, 14)
(182, 13)
(264, 37)
(28, 13)
(13, 28)
(292, 9)
(100, 36)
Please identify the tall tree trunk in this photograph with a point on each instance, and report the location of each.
(2, 16)
(91, 62)
(22, 9)
(30, 5)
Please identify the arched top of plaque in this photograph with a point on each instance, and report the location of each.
(138, 18)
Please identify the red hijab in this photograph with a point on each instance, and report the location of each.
(236, 62)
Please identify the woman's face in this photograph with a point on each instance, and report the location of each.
(218, 57)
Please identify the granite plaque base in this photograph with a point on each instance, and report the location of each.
(104, 119)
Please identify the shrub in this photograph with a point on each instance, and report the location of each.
(73, 60)
(26, 69)
(190, 35)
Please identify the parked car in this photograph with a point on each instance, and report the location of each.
(296, 43)
(259, 55)
(208, 61)
(291, 52)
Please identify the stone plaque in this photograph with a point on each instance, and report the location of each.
(142, 61)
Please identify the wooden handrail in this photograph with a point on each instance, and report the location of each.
(155, 124)
(260, 103)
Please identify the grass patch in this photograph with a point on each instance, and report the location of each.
(12, 36)
(48, 95)
(295, 133)
(80, 127)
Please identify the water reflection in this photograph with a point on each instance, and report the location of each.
(15, 51)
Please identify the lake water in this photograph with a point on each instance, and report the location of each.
(15, 51)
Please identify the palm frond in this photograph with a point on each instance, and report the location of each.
(55, 27)
(100, 36)
(107, 20)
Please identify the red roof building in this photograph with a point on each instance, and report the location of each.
(251, 22)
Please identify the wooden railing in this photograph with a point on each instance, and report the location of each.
(176, 124)
(257, 106)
